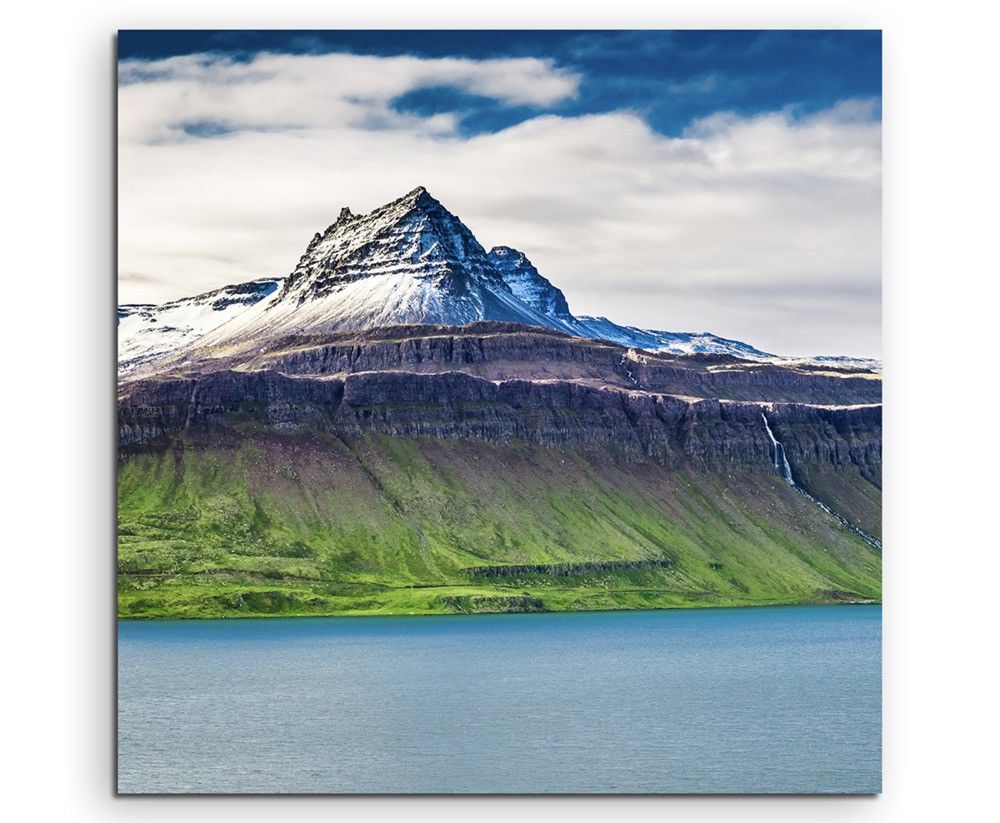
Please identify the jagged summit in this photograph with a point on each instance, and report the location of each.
(409, 261)
(413, 235)
(416, 193)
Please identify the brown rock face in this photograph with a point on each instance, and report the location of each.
(506, 384)
(503, 351)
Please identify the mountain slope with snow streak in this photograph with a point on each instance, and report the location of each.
(528, 286)
(147, 332)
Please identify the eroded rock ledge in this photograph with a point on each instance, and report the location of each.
(668, 428)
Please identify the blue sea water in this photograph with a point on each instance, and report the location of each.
(713, 700)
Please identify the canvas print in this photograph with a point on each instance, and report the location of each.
(499, 412)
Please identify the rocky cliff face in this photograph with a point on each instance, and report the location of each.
(829, 436)
(504, 351)
(349, 389)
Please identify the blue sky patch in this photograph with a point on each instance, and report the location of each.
(670, 77)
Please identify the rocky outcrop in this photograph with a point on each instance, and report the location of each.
(811, 435)
(523, 279)
(673, 430)
(732, 379)
(150, 412)
(503, 604)
(566, 569)
(501, 351)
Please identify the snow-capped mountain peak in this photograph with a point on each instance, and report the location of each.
(414, 235)
(411, 261)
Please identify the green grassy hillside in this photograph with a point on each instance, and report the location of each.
(303, 524)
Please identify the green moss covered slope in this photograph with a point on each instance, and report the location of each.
(304, 524)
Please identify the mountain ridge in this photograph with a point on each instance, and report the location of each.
(410, 261)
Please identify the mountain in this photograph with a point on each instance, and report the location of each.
(408, 262)
(408, 423)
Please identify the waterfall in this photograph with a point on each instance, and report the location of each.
(785, 470)
(191, 407)
(780, 460)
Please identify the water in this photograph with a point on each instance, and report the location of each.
(780, 459)
(719, 700)
(781, 464)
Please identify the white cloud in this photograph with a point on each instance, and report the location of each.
(766, 228)
(284, 92)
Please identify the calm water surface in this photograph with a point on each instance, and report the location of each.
(721, 700)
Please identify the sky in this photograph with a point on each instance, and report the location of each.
(687, 181)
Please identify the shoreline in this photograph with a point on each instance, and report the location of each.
(706, 607)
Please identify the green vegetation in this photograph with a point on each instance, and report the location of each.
(304, 524)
